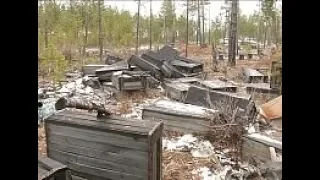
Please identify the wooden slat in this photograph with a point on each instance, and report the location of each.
(96, 136)
(98, 163)
(112, 154)
(114, 175)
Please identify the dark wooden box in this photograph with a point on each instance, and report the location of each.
(49, 169)
(103, 148)
(176, 90)
(276, 75)
(130, 80)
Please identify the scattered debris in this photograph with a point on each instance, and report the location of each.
(254, 76)
(130, 80)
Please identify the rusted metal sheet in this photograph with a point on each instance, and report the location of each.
(254, 76)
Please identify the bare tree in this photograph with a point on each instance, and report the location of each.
(100, 31)
(150, 26)
(138, 23)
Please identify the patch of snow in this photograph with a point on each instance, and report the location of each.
(181, 107)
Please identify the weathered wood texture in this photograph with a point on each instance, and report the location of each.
(50, 169)
(176, 91)
(89, 70)
(105, 73)
(276, 75)
(105, 148)
(130, 80)
(218, 85)
(199, 96)
(145, 66)
(261, 88)
(178, 116)
(258, 149)
(254, 76)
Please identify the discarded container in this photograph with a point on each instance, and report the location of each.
(178, 116)
(145, 65)
(254, 76)
(176, 90)
(105, 73)
(89, 70)
(130, 80)
(105, 148)
(260, 88)
(220, 57)
(241, 57)
(276, 75)
(218, 85)
(49, 169)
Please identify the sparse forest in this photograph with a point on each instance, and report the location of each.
(67, 28)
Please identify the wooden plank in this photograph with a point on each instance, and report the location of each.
(98, 163)
(112, 119)
(112, 154)
(96, 136)
(255, 149)
(77, 178)
(183, 125)
(84, 176)
(97, 125)
(49, 164)
(42, 171)
(159, 116)
(105, 173)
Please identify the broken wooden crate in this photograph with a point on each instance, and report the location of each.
(110, 147)
(130, 80)
(276, 75)
(257, 146)
(49, 169)
(218, 85)
(179, 117)
(145, 65)
(260, 88)
(254, 76)
(176, 90)
(89, 70)
(105, 73)
(199, 96)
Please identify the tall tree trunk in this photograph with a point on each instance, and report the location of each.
(203, 36)
(233, 34)
(198, 25)
(187, 38)
(165, 30)
(150, 27)
(100, 31)
(138, 24)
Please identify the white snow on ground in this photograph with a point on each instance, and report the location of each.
(203, 149)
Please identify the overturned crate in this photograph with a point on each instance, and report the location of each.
(260, 88)
(258, 145)
(218, 85)
(276, 75)
(179, 117)
(145, 65)
(89, 70)
(49, 169)
(254, 76)
(130, 80)
(216, 99)
(110, 147)
(105, 73)
(176, 90)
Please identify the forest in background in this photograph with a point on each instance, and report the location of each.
(66, 30)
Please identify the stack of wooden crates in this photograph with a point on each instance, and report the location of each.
(105, 148)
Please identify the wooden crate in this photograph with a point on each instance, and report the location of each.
(176, 91)
(130, 80)
(49, 169)
(258, 148)
(179, 117)
(111, 148)
(276, 75)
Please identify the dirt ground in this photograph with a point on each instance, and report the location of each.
(178, 165)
